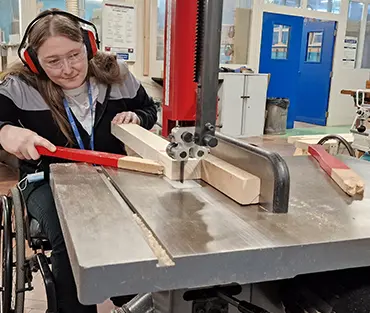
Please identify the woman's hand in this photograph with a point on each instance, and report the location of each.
(126, 118)
(22, 142)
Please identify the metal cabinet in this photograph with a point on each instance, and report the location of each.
(242, 104)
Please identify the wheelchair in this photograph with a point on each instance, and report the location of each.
(17, 270)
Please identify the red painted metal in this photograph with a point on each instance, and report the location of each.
(179, 90)
(86, 156)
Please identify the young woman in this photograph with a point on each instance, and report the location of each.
(66, 93)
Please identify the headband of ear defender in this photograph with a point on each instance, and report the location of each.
(29, 56)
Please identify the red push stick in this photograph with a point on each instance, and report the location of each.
(345, 177)
(104, 159)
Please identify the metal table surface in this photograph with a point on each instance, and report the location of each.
(209, 238)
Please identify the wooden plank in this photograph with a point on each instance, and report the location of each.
(345, 177)
(305, 143)
(242, 35)
(151, 146)
(234, 182)
(292, 139)
(106, 159)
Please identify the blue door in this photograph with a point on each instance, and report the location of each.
(280, 57)
(316, 59)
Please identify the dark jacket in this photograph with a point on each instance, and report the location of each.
(21, 105)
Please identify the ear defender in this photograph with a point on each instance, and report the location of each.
(29, 56)
(90, 43)
(32, 62)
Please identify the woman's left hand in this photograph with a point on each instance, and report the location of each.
(126, 118)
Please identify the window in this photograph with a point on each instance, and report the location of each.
(314, 46)
(366, 52)
(332, 6)
(49, 4)
(280, 42)
(161, 11)
(93, 10)
(355, 10)
(288, 3)
(236, 18)
(9, 22)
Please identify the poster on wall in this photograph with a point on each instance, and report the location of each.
(119, 30)
(227, 43)
(350, 51)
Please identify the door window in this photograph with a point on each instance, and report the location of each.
(280, 42)
(314, 47)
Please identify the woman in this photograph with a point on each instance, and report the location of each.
(68, 93)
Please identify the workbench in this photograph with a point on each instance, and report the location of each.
(132, 233)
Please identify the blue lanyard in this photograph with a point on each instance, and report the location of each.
(73, 123)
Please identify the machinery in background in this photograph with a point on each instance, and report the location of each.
(359, 128)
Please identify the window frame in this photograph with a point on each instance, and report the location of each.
(362, 34)
(156, 66)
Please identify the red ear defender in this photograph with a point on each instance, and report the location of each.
(92, 40)
(30, 63)
(29, 56)
(90, 43)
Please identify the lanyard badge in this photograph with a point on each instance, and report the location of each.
(73, 123)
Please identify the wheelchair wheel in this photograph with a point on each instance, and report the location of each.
(13, 242)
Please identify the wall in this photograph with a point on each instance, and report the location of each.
(341, 110)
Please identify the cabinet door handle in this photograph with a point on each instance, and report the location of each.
(245, 97)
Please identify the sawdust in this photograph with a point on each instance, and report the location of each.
(164, 259)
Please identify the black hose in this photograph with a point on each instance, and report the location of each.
(341, 140)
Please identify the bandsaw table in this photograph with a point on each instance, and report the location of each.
(130, 233)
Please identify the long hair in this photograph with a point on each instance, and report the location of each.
(103, 67)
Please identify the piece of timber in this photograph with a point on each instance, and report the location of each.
(211, 239)
(105, 159)
(316, 138)
(304, 143)
(234, 182)
(151, 146)
(350, 182)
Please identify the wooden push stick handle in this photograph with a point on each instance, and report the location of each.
(345, 177)
(104, 159)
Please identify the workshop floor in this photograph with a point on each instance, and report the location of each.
(36, 300)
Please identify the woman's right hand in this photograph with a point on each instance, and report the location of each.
(22, 142)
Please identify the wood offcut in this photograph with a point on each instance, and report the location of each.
(349, 181)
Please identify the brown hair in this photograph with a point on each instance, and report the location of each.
(103, 67)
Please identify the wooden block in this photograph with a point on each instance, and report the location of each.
(105, 159)
(234, 182)
(151, 146)
(299, 151)
(345, 177)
